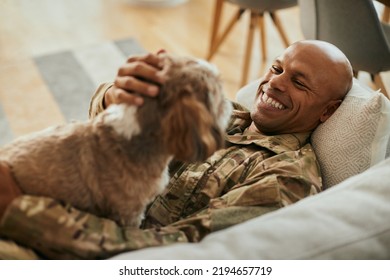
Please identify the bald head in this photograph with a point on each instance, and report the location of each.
(334, 69)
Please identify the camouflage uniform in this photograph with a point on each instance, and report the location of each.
(253, 175)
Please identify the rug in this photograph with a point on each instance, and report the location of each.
(73, 75)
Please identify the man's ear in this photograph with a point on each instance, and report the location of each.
(329, 110)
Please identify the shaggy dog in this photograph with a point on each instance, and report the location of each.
(115, 164)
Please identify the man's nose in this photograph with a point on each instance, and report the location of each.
(278, 82)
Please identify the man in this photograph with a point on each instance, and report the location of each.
(267, 164)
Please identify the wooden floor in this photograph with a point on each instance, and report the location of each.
(30, 28)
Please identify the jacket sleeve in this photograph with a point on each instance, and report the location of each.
(97, 102)
(58, 231)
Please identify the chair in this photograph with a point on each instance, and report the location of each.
(386, 14)
(257, 10)
(354, 27)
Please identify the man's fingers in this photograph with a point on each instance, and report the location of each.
(120, 96)
(132, 99)
(151, 59)
(132, 84)
(140, 76)
(141, 70)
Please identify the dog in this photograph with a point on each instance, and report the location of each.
(115, 164)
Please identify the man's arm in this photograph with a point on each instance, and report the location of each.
(58, 231)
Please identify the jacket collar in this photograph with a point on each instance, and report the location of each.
(239, 134)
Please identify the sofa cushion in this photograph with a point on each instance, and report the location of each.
(347, 221)
(354, 138)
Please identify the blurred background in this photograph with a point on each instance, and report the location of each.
(53, 53)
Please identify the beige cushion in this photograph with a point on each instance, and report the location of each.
(353, 139)
(348, 221)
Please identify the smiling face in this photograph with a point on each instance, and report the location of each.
(302, 88)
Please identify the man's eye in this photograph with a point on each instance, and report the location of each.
(300, 84)
(275, 69)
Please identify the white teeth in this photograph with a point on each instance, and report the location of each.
(272, 102)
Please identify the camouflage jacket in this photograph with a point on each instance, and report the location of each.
(253, 175)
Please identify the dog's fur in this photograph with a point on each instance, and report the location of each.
(115, 164)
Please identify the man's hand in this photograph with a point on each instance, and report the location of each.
(8, 188)
(139, 76)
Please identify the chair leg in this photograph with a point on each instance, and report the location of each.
(263, 37)
(386, 15)
(280, 29)
(218, 41)
(216, 22)
(380, 85)
(249, 45)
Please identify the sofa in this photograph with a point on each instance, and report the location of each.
(350, 219)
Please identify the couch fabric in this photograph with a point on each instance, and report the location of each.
(355, 137)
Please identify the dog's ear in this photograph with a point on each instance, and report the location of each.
(189, 129)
